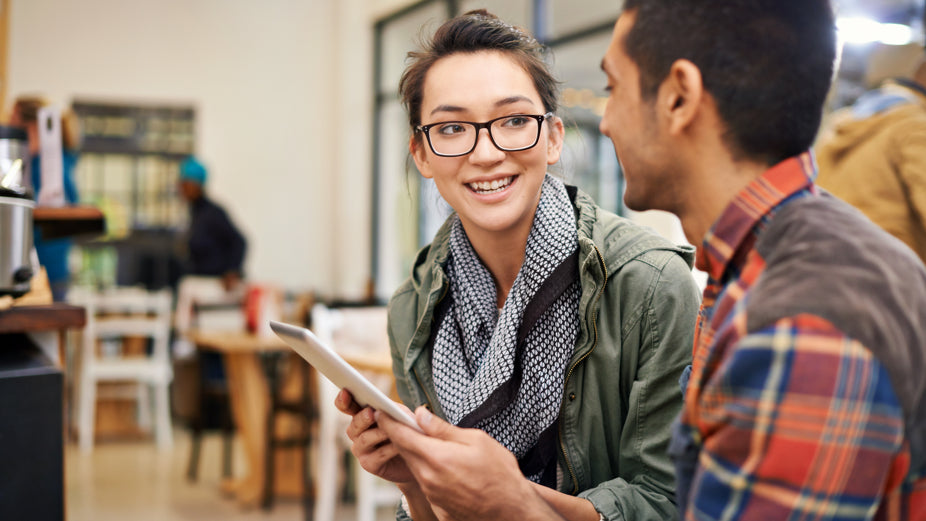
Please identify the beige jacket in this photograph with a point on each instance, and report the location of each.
(874, 157)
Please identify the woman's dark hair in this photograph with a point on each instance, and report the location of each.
(768, 64)
(472, 32)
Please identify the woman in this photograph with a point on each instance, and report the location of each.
(556, 327)
(53, 253)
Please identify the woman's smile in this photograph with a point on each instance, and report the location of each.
(491, 187)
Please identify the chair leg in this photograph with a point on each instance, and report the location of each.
(227, 439)
(164, 436)
(143, 405)
(86, 411)
(329, 453)
(366, 490)
(195, 444)
(269, 452)
(307, 484)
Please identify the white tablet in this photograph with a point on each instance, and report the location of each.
(340, 373)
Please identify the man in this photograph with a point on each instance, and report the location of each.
(874, 158)
(216, 247)
(806, 399)
(215, 253)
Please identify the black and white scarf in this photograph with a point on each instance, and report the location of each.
(475, 348)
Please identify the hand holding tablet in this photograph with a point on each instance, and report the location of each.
(339, 372)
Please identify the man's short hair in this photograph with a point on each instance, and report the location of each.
(768, 64)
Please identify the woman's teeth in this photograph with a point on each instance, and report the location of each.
(489, 187)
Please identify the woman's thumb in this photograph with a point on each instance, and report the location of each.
(431, 424)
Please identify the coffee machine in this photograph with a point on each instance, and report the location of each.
(16, 205)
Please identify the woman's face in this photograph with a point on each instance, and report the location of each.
(491, 190)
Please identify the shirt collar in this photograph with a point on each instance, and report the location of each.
(729, 234)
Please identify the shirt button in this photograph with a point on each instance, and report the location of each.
(572, 397)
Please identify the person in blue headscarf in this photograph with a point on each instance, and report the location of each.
(215, 254)
(216, 247)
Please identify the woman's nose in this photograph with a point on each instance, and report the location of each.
(485, 150)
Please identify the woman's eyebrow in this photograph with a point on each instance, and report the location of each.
(512, 99)
(509, 100)
(446, 108)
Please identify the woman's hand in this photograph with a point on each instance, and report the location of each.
(464, 474)
(373, 449)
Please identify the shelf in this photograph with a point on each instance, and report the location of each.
(69, 221)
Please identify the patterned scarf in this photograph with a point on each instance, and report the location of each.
(475, 346)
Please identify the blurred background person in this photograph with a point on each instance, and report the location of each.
(53, 254)
(215, 251)
(874, 156)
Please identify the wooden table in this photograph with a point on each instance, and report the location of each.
(250, 402)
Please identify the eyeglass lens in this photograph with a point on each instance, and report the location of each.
(508, 133)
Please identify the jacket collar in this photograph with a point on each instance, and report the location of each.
(731, 237)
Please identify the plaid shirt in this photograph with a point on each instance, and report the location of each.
(795, 420)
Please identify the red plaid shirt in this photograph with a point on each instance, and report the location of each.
(796, 420)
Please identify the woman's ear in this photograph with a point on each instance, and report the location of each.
(680, 95)
(416, 148)
(556, 133)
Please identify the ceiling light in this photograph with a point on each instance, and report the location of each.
(857, 30)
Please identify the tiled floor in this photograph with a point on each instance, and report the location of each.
(123, 480)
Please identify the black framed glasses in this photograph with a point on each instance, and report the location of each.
(508, 133)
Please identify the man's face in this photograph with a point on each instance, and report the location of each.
(190, 190)
(630, 121)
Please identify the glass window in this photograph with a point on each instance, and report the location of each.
(571, 16)
(403, 35)
(515, 12)
(588, 158)
(410, 209)
(397, 197)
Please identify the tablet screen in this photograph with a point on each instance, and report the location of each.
(341, 374)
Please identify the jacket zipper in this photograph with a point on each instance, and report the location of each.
(562, 445)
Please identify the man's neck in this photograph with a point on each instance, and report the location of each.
(718, 181)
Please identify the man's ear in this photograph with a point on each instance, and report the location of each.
(556, 133)
(416, 148)
(680, 95)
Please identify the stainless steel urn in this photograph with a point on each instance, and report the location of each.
(16, 205)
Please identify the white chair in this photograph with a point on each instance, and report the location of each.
(362, 331)
(113, 314)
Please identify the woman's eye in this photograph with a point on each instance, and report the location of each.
(516, 121)
(449, 129)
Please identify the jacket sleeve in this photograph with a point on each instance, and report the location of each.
(657, 335)
(911, 165)
(400, 305)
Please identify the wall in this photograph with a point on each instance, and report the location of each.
(271, 91)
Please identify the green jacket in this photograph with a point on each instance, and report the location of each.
(637, 315)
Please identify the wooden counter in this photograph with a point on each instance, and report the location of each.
(32, 413)
(53, 317)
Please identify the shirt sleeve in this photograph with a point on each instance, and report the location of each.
(798, 422)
